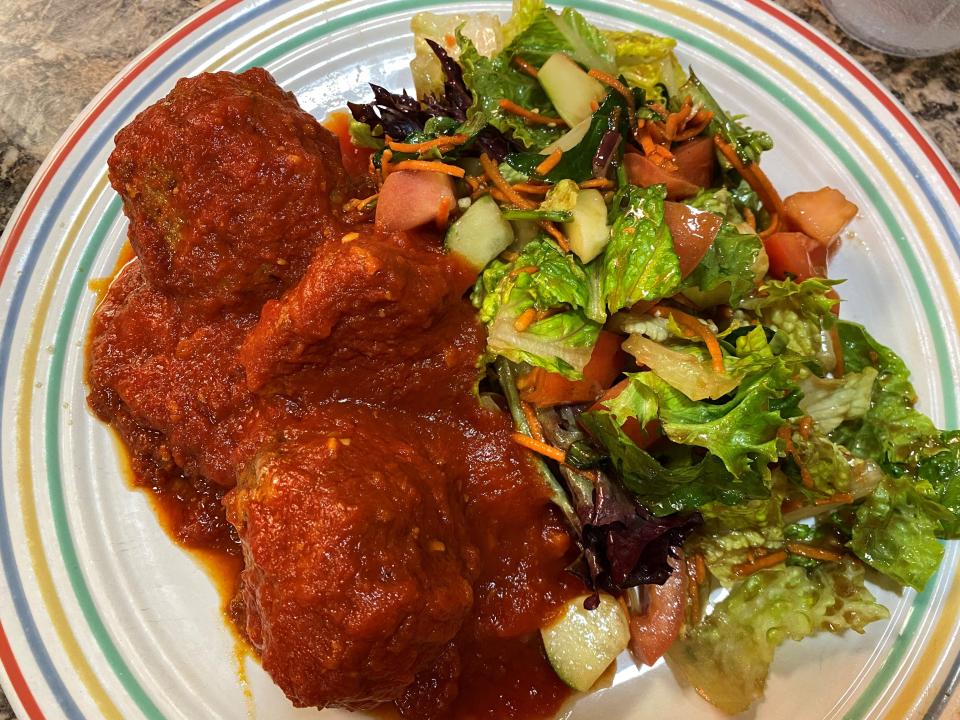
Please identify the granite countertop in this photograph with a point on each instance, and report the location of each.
(55, 56)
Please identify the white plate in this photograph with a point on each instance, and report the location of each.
(103, 617)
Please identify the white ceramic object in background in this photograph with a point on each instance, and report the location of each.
(104, 617)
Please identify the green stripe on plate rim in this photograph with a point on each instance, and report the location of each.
(81, 277)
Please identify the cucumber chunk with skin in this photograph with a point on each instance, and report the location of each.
(480, 234)
(581, 644)
(588, 231)
(569, 88)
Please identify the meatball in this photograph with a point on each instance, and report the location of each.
(228, 186)
(357, 570)
(371, 296)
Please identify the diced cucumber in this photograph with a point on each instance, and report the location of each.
(570, 139)
(581, 643)
(480, 234)
(588, 232)
(569, 88)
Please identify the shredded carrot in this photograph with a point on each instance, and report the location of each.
(839, 368)
(750, 218)
(599, 183)
(475, 181)
(594, 106)
(525, 320)
(531, 269)
(695, 125)
(773, 227)
(355, 205)
(554, 232)
(805, 426)
(443, 212)
(646, 142)
(441, 142)
(493, 174)
(385, 162)
(836, 499)
(531, 189)
(536, 429)
(611, 82)
(526, 67)
(814, 553)
(529, 115)
(786, 434)
(538, 446)
(748, 568)
(553, 159)
(755, 177)
(430, 166)
(691, 324)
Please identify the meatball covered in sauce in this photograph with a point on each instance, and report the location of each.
(229, 186)
(357, 569)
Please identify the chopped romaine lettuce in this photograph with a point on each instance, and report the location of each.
(892, 431)
(802, 312)
(727, 656)
(482, 29)
(895, 532)
(640, 262)
(646, 60)
(689, 372)
(681, 486)
(566, 32)
(561, 343)
(832, 401)
(732, 536)
(491, 80)
(742, 431)
(543, 279)
(730, 268)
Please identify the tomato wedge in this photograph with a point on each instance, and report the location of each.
(355, 159)
(696, 161)
(795, 254)
(543, 388)
(411, 198)
(821, 214)
(693, 233)
(644, 173)
(653, 632)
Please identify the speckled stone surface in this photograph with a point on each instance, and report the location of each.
(56, 54)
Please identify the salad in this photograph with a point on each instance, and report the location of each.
(732, 457)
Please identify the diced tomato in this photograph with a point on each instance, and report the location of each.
(696, 161)
(653, 632)
(643, 436)
(355, 159)
(542, 388)
(411, 198)
(644, 173)
(821, 214)
(693, 233)
(795, 254)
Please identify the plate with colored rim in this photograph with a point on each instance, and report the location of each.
(102, 616)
